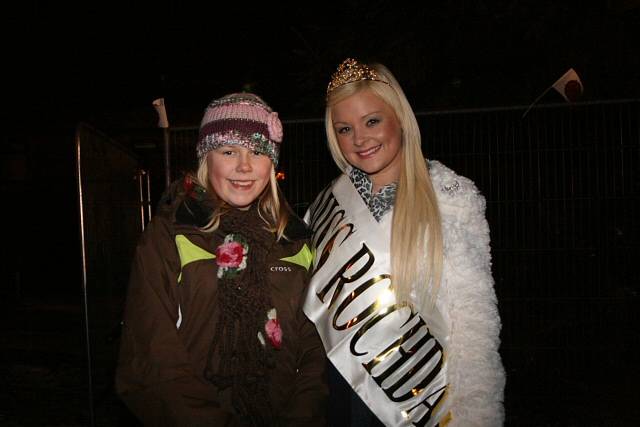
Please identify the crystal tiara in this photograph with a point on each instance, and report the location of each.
(352, 71)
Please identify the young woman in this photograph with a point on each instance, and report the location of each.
(213, 330)
(402, 293)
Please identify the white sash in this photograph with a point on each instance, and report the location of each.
(393, 356)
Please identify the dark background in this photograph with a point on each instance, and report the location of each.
(104, 62)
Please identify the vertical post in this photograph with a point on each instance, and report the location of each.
(139, 175)
(167, 158)
(163, 123)
(148, 195)
(84, 273)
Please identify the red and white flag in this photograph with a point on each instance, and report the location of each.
(569, 85)
(158, 104)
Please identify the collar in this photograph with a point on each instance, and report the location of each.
(379, 203)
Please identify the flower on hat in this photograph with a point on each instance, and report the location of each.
(275, 127)
(231, 256)
(272, 329)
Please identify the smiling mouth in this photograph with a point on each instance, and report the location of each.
(241, 184)
(369, 152)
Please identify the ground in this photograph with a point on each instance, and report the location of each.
(45, 379)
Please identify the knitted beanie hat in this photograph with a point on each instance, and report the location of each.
(240, 119)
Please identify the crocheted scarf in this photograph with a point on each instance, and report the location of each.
(237, 358)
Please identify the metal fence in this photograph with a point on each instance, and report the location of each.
(113, 195)
(112, 192)
(562, 186)
(563, 190)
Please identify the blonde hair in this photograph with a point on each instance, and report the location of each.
(272, 206)
(416, 227)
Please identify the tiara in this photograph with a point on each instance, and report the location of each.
(352, 71)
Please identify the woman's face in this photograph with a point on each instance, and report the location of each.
(370, 136)
(238, 175)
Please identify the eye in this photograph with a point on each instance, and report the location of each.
(373, 121)
(226, 150)
(343, 129)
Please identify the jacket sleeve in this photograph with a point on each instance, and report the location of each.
(154, 376)
(475, 365)
(308, 404)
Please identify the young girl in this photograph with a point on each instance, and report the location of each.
(213, 330)
(402, 293)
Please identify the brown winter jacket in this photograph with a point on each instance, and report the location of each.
(160, 370)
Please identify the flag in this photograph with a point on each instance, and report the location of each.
(158, 104)
(569, 85)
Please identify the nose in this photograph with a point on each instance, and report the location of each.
(359, 136)
(244, 162)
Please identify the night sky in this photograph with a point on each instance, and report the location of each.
(104, 62)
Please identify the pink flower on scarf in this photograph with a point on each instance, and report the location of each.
(273, 330)
(229, 254)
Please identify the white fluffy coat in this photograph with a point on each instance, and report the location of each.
(475, 370)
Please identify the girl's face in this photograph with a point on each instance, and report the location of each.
(238, 175)
(370, 136)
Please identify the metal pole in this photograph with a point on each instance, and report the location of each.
(148, 195)
(167, 159)
(84, 275)
(138, 177)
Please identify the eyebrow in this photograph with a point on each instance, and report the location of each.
(366, 115)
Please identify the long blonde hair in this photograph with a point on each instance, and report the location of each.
(416, 227)
(272, 206)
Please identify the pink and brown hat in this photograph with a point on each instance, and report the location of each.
(240, 119)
